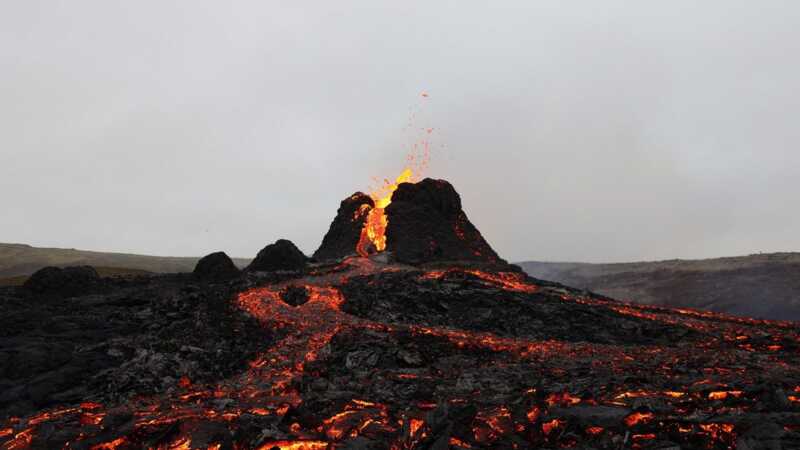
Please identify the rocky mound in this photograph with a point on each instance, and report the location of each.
(282, 255)
(65, 282)
(427, 223)
(216, 267)
(345, 231)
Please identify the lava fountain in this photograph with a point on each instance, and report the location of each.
(373, 235)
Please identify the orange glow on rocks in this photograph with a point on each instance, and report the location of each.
(638, 417)
(295, 445)
(540, 410)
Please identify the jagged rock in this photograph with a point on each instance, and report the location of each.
(67, 281)
(282, 255)
(345, 231)
(427, 223)
(216, 266)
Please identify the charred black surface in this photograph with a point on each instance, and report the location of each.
(427, 223)
(137, 337)
(373, 356)
(345, 231)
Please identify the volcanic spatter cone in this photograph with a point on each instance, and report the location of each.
(425, 223)
(345, 231)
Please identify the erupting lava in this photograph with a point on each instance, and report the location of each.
(373, 235)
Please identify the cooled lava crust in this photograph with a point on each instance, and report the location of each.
(363, 355)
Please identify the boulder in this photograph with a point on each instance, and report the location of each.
(282, 255)
(216, 267)
(67, 281)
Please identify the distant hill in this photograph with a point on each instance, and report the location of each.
(17, 261)
(764, 285)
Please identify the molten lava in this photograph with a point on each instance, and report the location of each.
(373, 235)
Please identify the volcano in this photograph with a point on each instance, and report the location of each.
(405, 331)
(423, 222)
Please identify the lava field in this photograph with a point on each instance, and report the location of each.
(363, 355)
(424, 340)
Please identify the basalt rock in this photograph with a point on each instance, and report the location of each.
(64, 282)
(345, 231)
(282, 255)
(427, 224)
(216, 267)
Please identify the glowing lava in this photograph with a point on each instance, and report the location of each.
(373, 235)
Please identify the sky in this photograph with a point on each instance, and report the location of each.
(574, 131)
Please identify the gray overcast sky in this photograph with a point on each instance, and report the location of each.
(584, 130)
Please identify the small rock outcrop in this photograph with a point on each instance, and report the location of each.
(64, 282)
(427, 223)
(216, 267)
(345, 231)
(282, 255)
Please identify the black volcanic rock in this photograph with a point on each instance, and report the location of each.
(427, 223)
(295, 295)
(65, 281)
(282, 255)
(134, 336)
(388, 356)
(345, 231)
(216, 267)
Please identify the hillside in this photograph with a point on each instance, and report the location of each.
(20, 260)
(764, 285)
